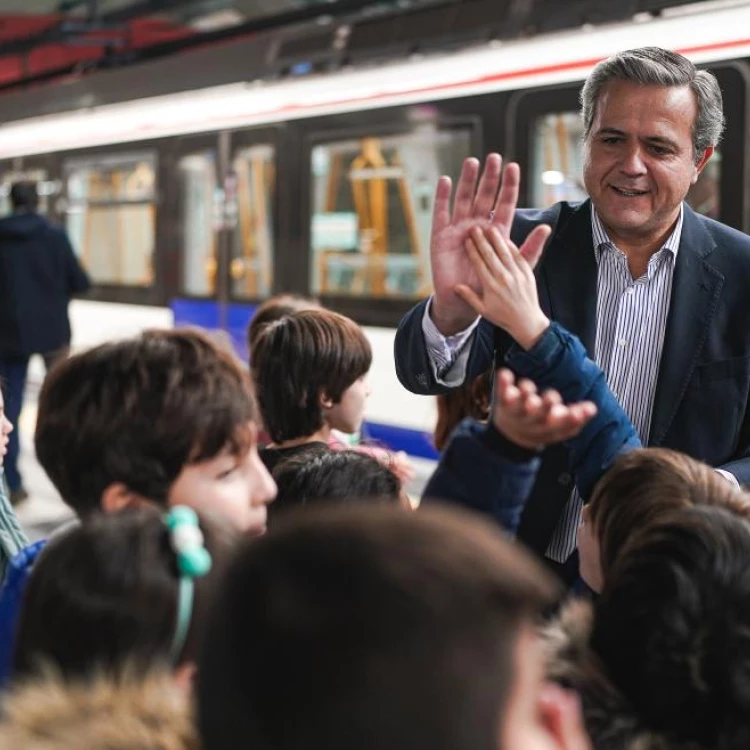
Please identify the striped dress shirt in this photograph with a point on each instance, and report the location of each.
(631, 319)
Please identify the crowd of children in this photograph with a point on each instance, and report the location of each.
(167, 618)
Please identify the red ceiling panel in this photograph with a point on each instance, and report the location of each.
(46, 56)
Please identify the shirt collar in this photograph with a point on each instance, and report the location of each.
(602, 240)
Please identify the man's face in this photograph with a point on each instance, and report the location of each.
(538, 715)
(638, 158)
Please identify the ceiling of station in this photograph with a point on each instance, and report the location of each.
(43, 39)
(39, 37)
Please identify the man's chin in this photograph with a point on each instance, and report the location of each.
(626, 222)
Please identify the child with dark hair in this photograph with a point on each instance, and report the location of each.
(310, 370)
(661, 663)
(372, 628)
(165, 418)
(641, 488)
(277, 308)
(126, 592)
(333, 477)
(127, 596)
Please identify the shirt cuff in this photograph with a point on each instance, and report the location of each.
(729, 477)
(448, 354)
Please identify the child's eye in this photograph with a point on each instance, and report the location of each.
(227, 472)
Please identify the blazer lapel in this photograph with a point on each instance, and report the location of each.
(696, 288)
(568, 274)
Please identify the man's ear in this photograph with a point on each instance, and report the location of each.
(117, 497)
(707, 154)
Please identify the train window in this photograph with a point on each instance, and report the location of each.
(111, 216)
(705, 196)
(557, 159)
(557, 166)
(46, 188)
(372, 210)
(251, 264)
(201, 199)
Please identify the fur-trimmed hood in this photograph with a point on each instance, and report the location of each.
(104, 714)
(611, 722)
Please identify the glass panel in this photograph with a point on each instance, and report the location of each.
(46, 189)
(557, 166)
(705, 196)
(199, 199)
(557, 159)
(251, 265)
(111, 216)
(372, 210)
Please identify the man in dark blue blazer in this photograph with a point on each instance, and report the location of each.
(39, 273)
(657, 294)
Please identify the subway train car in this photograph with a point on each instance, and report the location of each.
(190, 203)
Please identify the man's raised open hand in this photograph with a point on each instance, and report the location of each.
(488, 202)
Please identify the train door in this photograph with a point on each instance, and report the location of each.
(250, 228)
(226, 217)
(196, 207)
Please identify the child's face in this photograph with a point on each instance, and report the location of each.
(238, 488)
(347, 415)
(5, 429)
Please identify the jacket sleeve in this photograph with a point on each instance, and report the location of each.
(476, 472)
(559, 361)
(10, 604)
(413, 366)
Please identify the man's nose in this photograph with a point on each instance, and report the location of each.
(633, 162)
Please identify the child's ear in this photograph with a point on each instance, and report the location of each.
(117, 497)
(184, 677)
(325, 401)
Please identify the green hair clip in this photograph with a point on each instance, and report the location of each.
(193, 561)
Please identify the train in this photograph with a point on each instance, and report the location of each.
(192, 206)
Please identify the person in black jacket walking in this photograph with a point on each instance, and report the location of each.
(39, 273)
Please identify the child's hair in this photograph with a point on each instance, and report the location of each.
(470, 400)
(368, 627)
(298, 358)
(274, 309)
(643, 486)
(138, 411)
(671, 629)
(327, 476)
(104, 597)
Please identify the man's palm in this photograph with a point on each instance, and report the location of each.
(474, 205)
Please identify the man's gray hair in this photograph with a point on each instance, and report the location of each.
(654, 66)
